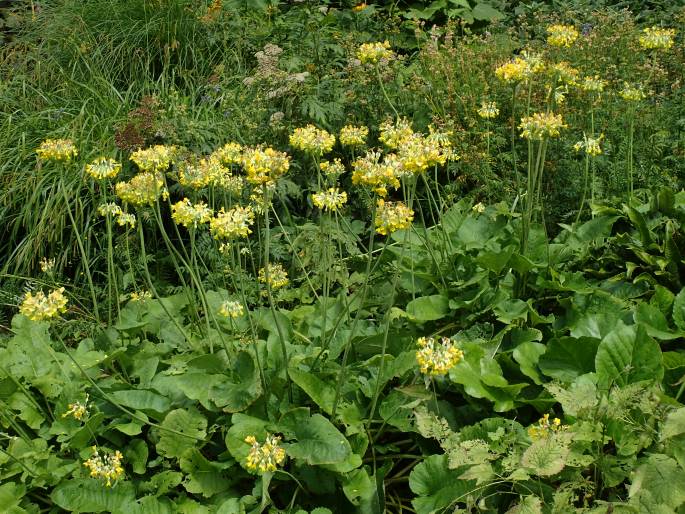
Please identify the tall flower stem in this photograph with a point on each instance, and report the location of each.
(385, 93)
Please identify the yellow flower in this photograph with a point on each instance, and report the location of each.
(392, 216)
(39, 307)
(230, 153)
(592, 84)
(418, 153)
(278, 277)
(479, 208)
(375, 52)
(124, 219)
(264, 457)
(561, 35)
(564, 72)
(656, 38)
(47, 265)
(394, 135)
(231, 309)
(155, 158)
(312, 140)
(371, 172)
(332, 169)
(77, 410)
(351, 135)
(521, 67)
(488, 110)
(232, 223)
(56, 150)
(189, 215)
(359, 7)
(105, 467)
(632, 93)
(330, 200)
(103, 168)
(198, 173)
(264, 165)
(109, 209)
(143, 296)
(541, 125)
(544, 428)
(589, 145)
(143, 189)
(437, 357)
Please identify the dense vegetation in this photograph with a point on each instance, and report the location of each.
(323, 257)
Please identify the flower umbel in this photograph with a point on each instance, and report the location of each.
(155, 158)
(278, 277)
(656, 38)
(103, 168)
(371, 172)
(544, 428)
(312, 140)
(47, 265)
(488, 110)
(105, 467)
(561, 35)
(330, 200)
(264, 457)
(264, 165)
(351, 135)
(392, 216)
(333, 168)
(632, 93)
(57, 150)
(394, 135)
(232, 223)
(231, 309)
(375, 52)
(143, 296)
(589, 145)
(143, 189)
(437, 357)
(39, 307)
(189, 215)
(77, 410)
(541, 125)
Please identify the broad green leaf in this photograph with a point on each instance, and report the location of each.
(627, 355)
(139, 399)
(436, 486)
(486, 12)
(192, 427)
(567, 358)
(428, 308)
(321, 392)
(89, 495)
(674, 424)
(238, 390)
(527, 505)
(318, 441)
(10, 497)
(203, 476)
(527, 355)
(663, 478)
(679, 310)
(654, 322)
(545, 457)
(242, 426)
(359, 486)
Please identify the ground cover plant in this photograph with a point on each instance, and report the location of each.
(342, 258)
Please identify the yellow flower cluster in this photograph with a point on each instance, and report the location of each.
(189, 215)
(155, 158)
(39, 307)
(394, 135)
(143, 296)
(264, 165)
(105, 467)
(351, 135)
(332, 169)
(232, 223)
(544, 428)
(561, 35)
(488, 110)
(371, 172)
(312, 140)
(541, 125)
(230, 153)
(564, 72)
(589, 145)
(437, 357)
(77, 410)
(264, 457)
(656, 38)
(592, 84)
(197, 174)
(103, 168)
(231, 309)
(632, 93)
(375, 52)
(418, 153)
(47, 265)
(109, 209)
(278, 277)
(56, 150)
(143, 189)
(330, 200)
(392, 216)
(125, 218)
(520, 68)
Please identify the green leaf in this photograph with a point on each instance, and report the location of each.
(626, 355)
(527, 355)
(567, 358)
(527, 505)
(240, 389)
(428, 308)
(358, 486)
(663, 478)
(674, 424)
(486, 12)
(679, 310)
(322, 393)
(436, 486)
(10, 497)
(318, 441)
(241, 427)
(89, 495)
(654, 322)
(545, 457)
(186, 421)
(139, 399)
